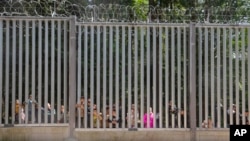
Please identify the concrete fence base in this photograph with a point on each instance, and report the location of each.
(60, 133)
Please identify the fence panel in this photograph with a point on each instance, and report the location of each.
(130, 71)
(222, 75)
(34, 70)
(129, 75)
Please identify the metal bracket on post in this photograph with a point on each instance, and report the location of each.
(192, 82)
(72, 77)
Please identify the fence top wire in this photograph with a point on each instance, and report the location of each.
(123, 13)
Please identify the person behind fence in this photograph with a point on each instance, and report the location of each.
(221, 109)
(51, 112)
(132, 116)
(89, 112)
(96, 117)
(22, 114)
(80, 106)
(246, 117)
(112, 118)
(233, 110)
(36, 112)
(182, 114)
(151, 119)
(17, 107)
(62, 113)
(120, 116)
(107, 117)
(30, 102)
(207, 123)
(173, 110)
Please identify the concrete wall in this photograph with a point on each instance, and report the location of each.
(33, 133)
(213, 135)
(125, 135)
(60, 133)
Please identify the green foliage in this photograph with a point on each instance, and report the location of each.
(141, 9)
(140, 2)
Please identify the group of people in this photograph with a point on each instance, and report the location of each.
(230, 111)
(112, 117)
(241, 116)
(20, 112)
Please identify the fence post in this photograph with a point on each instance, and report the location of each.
(72, 76)
(1, 66)
(192, 81)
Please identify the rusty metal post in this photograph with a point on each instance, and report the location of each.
(192, 82)
(72, 76)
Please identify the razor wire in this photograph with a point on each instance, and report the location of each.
(123, 13)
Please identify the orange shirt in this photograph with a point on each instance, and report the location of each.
(17, 108)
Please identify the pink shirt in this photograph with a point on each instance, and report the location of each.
(151, 120)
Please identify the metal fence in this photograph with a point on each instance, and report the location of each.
(223, 74)
(34, 69)
(123, 72)
(127, 69)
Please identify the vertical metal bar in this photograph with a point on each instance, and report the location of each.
(98, 65)
(72, 76)
(192, 82)
(123, 75)
(154, 74)
(243, 65)
(185, 76)
(219, 77)
(142, 31)
(167, 77)
(136, 75)
(237, 74)
(33, 68)
(1, 66)
(224, 78)
(218, 107)
(218, 73)
(91, 73)
(129, 76)
(160, 77)
(173, 74)
(110, 71)
(13, 70)
(104, 75)
(52, 71)
(206, 73)
(20, 67)
(117, 73)
(148, 74)
(7, 66)
(200, 93)
(27, 68)
(79, 76)
(179, 74)
(59, 91)
(65, 66)
(230, 75)
(46, 74)
(212, 74)
(39, 69)
(86, 73)
(248, 59)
